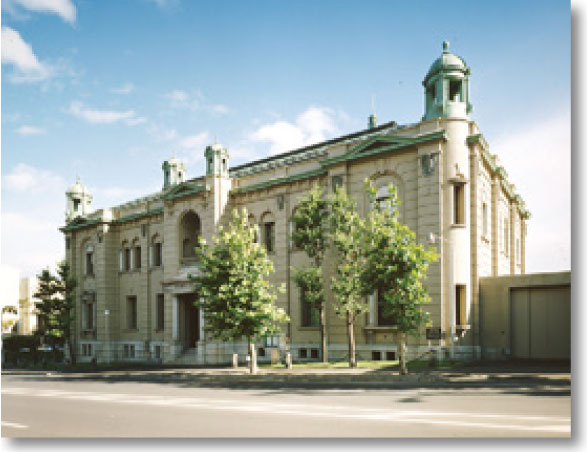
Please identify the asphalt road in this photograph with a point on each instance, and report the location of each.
(48, 406)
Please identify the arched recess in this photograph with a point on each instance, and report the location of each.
(156, 251)
(87, 256)
(381, 181)
(189, 231)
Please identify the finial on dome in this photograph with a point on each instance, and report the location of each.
(445, 45)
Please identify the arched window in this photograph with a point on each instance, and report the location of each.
(124, 259)
(189, 231)
(89, 259)
(268, 231)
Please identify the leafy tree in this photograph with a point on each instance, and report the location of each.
(347, 230)
(66, 315)
(49, 310)
(57, 307)
(395, 266)
(236, 297)
(310, 233)
(9, 309)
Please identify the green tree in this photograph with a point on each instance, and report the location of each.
(396, 265)
(49, 310)
(66, 314)
(236, 297)
(347, 232)
(56, 308)
(310, 233)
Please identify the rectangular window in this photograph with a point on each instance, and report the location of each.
(67, 243)
(455, 90)
(376, 356)
(485, 220)
(314, 353)
(390, 356)
(89, 315)
(459, 204)
(157, 248)
(157, 352)
(131, 313)
(310, 313)
(129, 351)
(160, 312)
(137, 257)
(127, 259)
(303, 353)
(383, 318)
(461, 305)
(89, 263)
(270, 237)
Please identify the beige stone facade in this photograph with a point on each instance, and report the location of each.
(132, 261)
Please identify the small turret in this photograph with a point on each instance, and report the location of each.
(78, 201)
(216, 160)
(173, 172)
(447, 87)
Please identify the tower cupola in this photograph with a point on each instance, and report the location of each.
(446, 87)
(216, 160)
(173, 172)
(78, 201)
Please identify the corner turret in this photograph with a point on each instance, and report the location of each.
(78, 201)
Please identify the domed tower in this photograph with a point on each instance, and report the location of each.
(447, 87)
(78, 200)
(173, 172)
(447, 101)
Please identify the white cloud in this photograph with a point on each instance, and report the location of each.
(127, 88)
(30, 130)
(311, 126)
(19, 54)
(218, 109)
(161, 133)
(538, 160)
(182, 100)
(43, 246)
(165, 4)
(63, 8)
(25, 178)
(128, 117)
(195, 141)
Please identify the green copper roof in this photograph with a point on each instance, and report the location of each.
(447, 62)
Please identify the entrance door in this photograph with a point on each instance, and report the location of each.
(189, 320)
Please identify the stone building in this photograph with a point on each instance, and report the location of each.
(133, 260)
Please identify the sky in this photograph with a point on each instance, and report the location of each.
(108, 90)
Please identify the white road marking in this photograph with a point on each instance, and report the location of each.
(462, 419)
(13, 425)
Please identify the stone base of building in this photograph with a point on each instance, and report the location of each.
(220, 354)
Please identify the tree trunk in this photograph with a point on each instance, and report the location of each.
(323, 333)
(350, 326)
(403, 369)
(253, 356)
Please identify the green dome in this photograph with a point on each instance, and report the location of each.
(447, 62)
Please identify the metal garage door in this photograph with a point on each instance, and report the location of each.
(540, 322)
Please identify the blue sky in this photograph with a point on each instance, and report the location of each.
(109, 89)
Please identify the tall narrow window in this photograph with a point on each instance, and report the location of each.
(131, 313)
(156, 258)
(455, 90)
(310, 313)
(137, 262)
(88, 312)
(459, 204)
(461, 305)
(160, 312)
(89, 263)
(270, 236)
(485, 220)
(127, 259)
(383, 318)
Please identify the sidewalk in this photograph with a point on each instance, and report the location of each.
(326, 378)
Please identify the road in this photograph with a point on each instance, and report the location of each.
(49, 406)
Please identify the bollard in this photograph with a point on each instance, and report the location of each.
(235, 360)
(288, 360)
